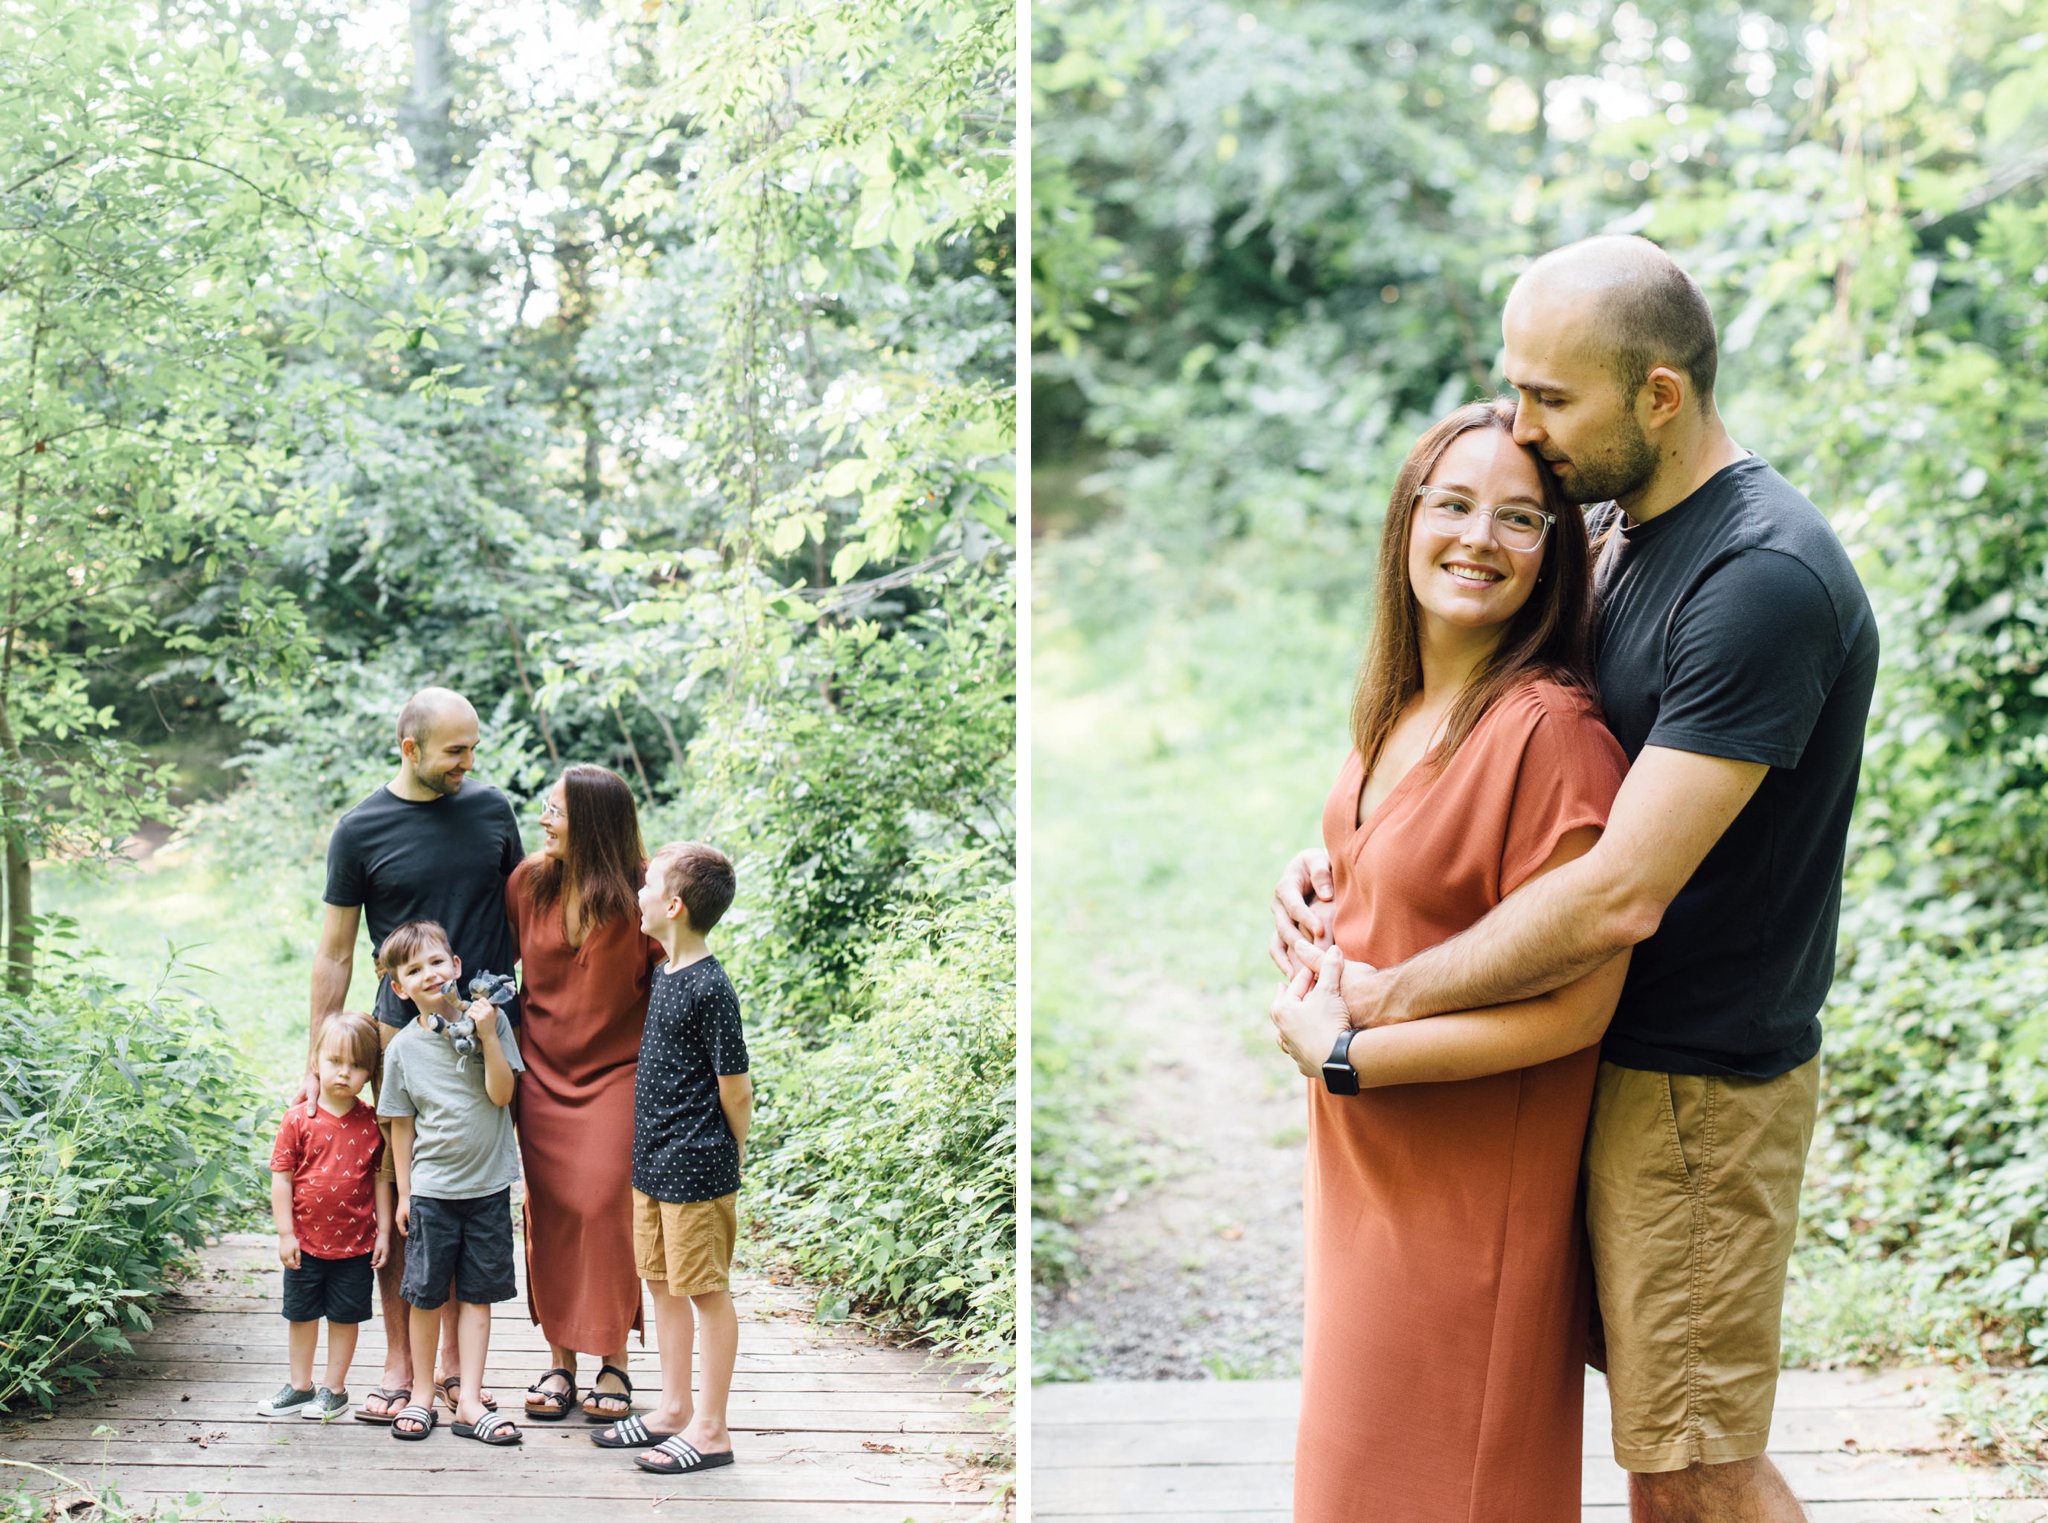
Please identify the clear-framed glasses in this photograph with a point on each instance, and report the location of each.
(1515, 524)
(550, 810)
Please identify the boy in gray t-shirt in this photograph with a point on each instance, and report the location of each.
(451, 1141)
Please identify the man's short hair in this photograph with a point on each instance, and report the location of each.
(407, 942)
(702, 877)
(356, 1035)
(1655, 315)
(423, 710)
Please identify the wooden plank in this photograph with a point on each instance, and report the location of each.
(301, 1507)
(171, 1442)
(1173, 1491)
(746, 1410)
(829, 1422)
(450, 1467)
(1068, 1446)
(1165, 1401)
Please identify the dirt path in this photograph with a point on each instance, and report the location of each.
(1197, 1273)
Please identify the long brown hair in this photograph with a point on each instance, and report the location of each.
(602, 855)
(1548, 637)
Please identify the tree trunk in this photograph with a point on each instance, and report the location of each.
(15, 889)
(429, 102)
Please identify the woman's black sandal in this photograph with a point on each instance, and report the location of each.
(554, 1405)
(594, 1394)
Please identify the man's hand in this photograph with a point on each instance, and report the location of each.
(1366, 993)
(381, 1254)
(288, 1250)
(1309, 1015)
(1301, 913)
(402, 1217)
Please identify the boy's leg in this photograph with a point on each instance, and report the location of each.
(424, 1326)
(674, 1332)
(305, 1336)
(719, 1320)
(473, 1337)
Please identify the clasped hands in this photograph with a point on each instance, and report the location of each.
(1323, 993)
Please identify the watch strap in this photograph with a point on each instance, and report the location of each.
(1339, 1077)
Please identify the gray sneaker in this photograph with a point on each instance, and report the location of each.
(287, 1401)
(326, 1406)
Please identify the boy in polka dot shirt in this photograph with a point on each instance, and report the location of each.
(333, 1217)
(692, 1101)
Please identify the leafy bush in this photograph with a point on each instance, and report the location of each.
(885, 1153)
(126, 1134)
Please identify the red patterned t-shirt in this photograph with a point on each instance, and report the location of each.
(333, 1164)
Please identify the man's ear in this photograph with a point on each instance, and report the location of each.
(1666, 391)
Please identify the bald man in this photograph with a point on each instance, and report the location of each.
(428, 845)
(1735, 656)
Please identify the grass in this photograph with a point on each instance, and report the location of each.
(1182, 747)
(240, 941)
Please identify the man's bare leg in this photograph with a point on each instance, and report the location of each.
(397, 1329)
(1742, 1491)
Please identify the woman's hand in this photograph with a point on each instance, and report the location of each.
(1301, 910)
(1308, 1014)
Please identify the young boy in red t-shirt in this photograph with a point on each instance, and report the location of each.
(333, 1217)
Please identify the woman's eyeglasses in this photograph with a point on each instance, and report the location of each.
(1515, 524)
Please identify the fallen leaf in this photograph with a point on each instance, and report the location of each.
(874, 1448)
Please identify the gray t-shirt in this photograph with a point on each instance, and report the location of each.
(461, 1143)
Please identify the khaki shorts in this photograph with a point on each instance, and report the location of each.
(1692, 1202)
(688, 1244)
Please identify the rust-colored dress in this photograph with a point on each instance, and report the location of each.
(584, 1008)
(1447, 1289)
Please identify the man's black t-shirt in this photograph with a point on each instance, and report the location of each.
(683, 1150)
(442, 859)
(1733, 625)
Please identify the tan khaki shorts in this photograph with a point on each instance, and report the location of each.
(1692, 1202)
(688, 1244)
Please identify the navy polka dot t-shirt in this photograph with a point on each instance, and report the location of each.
(682, 1148)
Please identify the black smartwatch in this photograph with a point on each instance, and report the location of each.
(1339, 1077)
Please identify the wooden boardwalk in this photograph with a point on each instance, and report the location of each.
(828, 1423)
(1857, 1448)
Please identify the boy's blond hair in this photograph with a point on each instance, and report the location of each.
(356, 1034)
(702, 877)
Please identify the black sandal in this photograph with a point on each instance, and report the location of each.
(554, 1405)
(591, 1415)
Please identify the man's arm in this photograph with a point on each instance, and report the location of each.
(333, 963)
(1672, 808)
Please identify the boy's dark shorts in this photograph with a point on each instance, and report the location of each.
(466, 1241)
(337, 1289)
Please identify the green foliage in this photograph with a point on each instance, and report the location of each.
(850, 763)
(126, 1134)
(885, 1153)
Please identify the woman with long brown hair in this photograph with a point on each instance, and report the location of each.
(585, 971)
(1447, 1292)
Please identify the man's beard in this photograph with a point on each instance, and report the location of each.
(439, 783)
(1632, 462)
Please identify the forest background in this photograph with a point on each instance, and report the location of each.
(644, 372)
(1270, 243)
